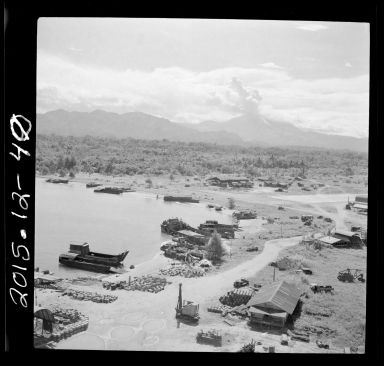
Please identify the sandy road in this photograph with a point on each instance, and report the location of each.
(145, 321)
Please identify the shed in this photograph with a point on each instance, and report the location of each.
(46, 316)
(277, 297)
(352, 237)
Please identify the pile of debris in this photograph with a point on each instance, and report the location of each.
(70, 322)
(89, 296)
(183, 270)
(67, 316)
(237, 297)
(146, 283)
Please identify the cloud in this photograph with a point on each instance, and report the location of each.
(312, 27)
(187, 96)
(271, 65)
(348, 64)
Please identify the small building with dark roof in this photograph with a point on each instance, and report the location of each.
(272, 305)
(350, 237)
(231, 181)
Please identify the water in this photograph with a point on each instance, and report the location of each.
(109, 223)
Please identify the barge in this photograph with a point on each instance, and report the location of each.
(57, 180)
(112, 190)
(93, 184)
(180, 199)
(79, 256)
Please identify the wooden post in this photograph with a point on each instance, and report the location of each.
(274, 269)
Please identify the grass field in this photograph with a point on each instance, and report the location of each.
(337, 318)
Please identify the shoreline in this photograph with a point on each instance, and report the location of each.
(208, 196)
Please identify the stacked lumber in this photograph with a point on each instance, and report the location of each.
(146, 283)
(89, 296)
(182, 270)
(236, 297)
(219, 309)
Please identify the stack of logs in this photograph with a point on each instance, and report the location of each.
(90, 296)
(182, 270)
(236, 297)
(146, 283)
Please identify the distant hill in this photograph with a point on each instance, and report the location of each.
(256, 129)
(245, 130)
(135, 125)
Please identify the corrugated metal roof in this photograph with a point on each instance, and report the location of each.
(329, 240)
(282, 295)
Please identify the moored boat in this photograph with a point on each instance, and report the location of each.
(93, 184)
(57, 180)
(113, 190)
(79, 256)
(180, 199)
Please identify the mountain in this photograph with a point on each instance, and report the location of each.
(258, 130)
(246, 130)
(135, 125)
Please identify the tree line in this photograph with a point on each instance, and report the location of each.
(109, 156)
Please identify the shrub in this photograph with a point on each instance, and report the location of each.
(215, 249)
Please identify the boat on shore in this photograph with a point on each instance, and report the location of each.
(180, 199)
(75, 261)
(93, 184)
(112, 190)
(79, 256)
(57, 180)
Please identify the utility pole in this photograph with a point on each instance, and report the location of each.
(281, 229)
(274, 271)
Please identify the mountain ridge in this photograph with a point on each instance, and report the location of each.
(245, 130)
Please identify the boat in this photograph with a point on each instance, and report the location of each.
(108, 259)
(218, 208)
(113, 190)
(57, 180)
(93, 184)
(128, 189)
(180, 199)
(79, 256)
(76, 261)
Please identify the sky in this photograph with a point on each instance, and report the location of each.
(312, 74)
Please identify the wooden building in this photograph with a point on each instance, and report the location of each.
(273, 304)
